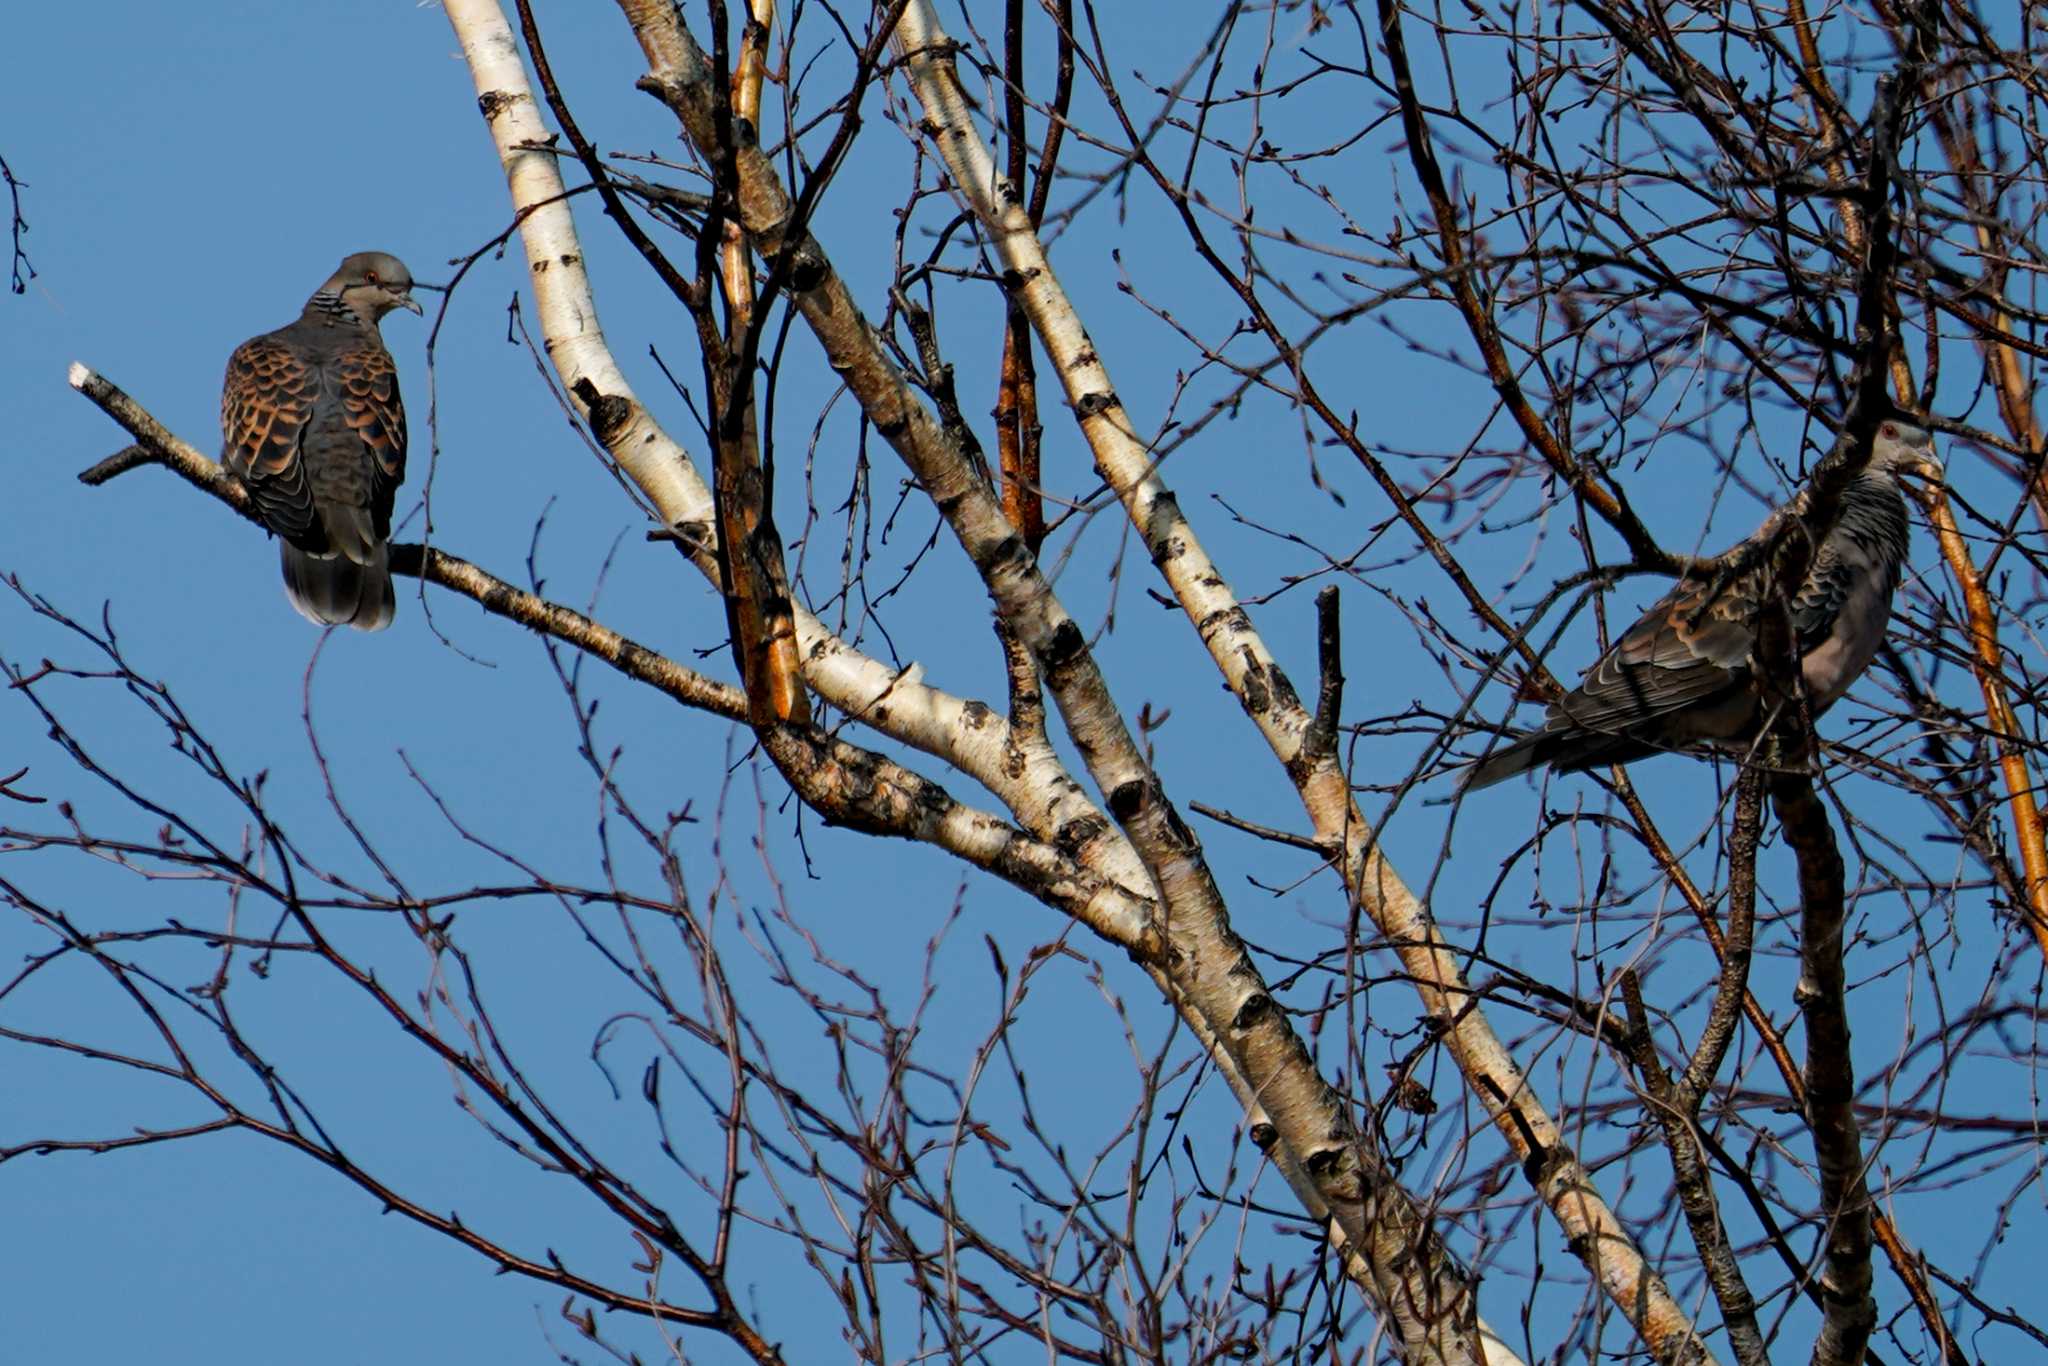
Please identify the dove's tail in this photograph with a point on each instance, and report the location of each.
(1564, 750)
(334, 590)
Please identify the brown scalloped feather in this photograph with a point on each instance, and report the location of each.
(265, 403)
(372, 408)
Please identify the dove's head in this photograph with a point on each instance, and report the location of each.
(371, 284)
(1902, 448)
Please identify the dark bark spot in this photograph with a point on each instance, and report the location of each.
(1283, 688)
(608, 412)
(1073, 836)
(1009, 553)
(1263, 1136)
(692, 536)
(1159, 527)
(1088, 405)
(1323, 1161)
(1257, 698)
(807, 268)
(1255, 1008)
(1541, 1164)
(976, 714)
(1126, 798)
(1066, 645)
(492, 103)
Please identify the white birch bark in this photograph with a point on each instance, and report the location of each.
(871, 788)
(1391, 1251)
(1270, 700)
(969, 735)
(554, 260)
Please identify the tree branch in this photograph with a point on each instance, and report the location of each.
(1310, 1134)
(1022, 770)
(1269, 699)
(846, 784)
(1849, 1313)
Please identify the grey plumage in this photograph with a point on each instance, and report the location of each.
(311, 421)
(1682, 677)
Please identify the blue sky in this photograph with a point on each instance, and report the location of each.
(193, 171)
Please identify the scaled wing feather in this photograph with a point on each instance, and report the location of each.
(266, 404)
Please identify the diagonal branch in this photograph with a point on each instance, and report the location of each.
(845, 783)
(1018, 766)
(1460, 272)
(1270, 700)
(1980, 621)
(1394, 1255)
(1676, 1105)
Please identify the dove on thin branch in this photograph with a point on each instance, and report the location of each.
(1684, 675)
(312, 423)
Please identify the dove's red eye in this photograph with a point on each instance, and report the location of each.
(370, 277)
(1890, 428)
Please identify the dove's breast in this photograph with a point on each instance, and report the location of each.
(1861, 563)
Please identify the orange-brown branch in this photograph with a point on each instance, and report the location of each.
(1017, 427)
(756, 583)
(1981, 620)
(1017, 433)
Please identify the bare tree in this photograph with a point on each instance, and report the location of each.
(1605, 1095)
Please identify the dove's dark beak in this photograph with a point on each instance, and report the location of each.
(414, 305)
